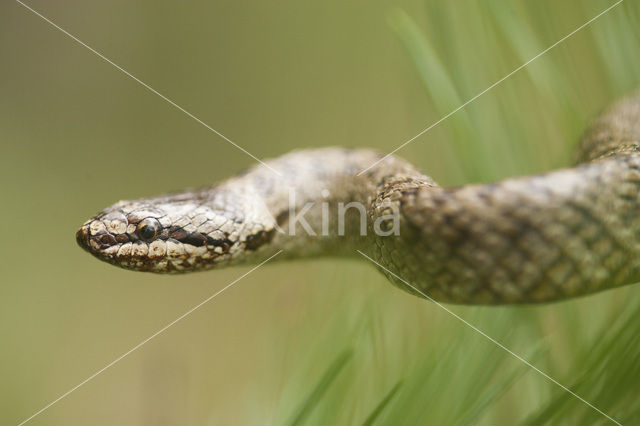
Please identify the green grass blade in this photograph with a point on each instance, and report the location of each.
(370, 420)
(443, 93)
(332, 372)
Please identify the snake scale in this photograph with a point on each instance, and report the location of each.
(528, 239)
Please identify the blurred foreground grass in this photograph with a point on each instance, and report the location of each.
(314, 343)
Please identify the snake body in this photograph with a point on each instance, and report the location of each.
(529, 239)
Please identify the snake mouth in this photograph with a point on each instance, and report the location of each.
(161, 256)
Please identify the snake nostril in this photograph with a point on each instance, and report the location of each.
(106, 240)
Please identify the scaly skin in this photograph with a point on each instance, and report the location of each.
(524, 240)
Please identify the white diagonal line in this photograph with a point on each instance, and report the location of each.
(426, 129)
(145, 340)
(146, 86)
(500, 345)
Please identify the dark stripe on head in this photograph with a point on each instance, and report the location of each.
(255, 241)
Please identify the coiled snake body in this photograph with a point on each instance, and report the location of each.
(523, 240)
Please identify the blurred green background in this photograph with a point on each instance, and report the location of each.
(316, 342)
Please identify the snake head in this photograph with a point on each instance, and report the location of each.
(166, 235)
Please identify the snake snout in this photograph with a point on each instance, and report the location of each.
(82, 237)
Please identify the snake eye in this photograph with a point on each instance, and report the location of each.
(148, 229)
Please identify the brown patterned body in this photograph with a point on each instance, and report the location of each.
(531, 239)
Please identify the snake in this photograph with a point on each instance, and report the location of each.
(523, 240)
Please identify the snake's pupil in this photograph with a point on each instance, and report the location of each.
(147, 231)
